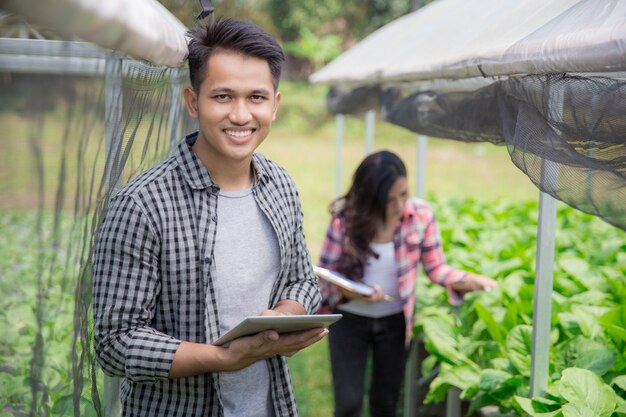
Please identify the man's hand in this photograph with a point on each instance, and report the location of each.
(247, 350)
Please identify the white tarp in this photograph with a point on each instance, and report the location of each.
(454, 39)
(140, 28)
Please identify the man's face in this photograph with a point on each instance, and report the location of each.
(235, 107)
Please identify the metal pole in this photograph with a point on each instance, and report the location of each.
(113, 118)
(175, 107)
(542, 303)
(453, 402)
(412, 370)
(544, 270)
(113, 145)
(370, 123)
(340, 121)
(420, 171)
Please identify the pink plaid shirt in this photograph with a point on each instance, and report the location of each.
(416, 239)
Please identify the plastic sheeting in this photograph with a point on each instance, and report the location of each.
(140, 28)
(453, 39)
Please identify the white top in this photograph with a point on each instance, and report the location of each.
(381, 272)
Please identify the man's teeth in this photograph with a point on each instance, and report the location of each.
(239, 133)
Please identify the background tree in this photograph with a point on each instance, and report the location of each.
(313, 32)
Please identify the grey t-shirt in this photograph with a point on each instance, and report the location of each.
(247, 262)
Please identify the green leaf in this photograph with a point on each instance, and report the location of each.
(63, 406)
(598, 361)
(499, 385)
(491, 324)
(518, 345)
(567, 353)
(620, 381)
(576, 410)
(525, 404)
(583, 387)
(574, 266)
(461, 377)
(614, 321)
(621, 406)
(441, 339)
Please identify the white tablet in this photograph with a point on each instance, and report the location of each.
(343, 282)
(282, 324)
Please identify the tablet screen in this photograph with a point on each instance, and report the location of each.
(282, 324)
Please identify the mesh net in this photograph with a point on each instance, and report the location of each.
(67, 143)
(566, 133)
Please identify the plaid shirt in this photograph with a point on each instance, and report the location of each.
(153, 286)
(415, 240)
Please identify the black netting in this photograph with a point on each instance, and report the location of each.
(67, 143)
(567, 134)
(353, 100)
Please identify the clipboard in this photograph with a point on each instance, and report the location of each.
(346, 283)
(282, 324)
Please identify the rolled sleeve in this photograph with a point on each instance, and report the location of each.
(126, 287)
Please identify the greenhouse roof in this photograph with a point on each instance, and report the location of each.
(456, 39)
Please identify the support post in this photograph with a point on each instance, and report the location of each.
(340, 125)
(412, 367)
(453, 403)
(113, 146)
(544, 264)
(542, 303)
(370, 124)
(420, 171)
(175, 107)
(113, 118)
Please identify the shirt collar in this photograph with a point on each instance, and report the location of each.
(195, 172)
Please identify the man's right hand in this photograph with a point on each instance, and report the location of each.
(247, 350)
(199, 358)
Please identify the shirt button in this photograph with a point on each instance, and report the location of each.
(214, 219)
(207, 261)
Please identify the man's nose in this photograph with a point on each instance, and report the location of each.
(240, 113)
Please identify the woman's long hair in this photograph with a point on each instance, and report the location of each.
(364, 209)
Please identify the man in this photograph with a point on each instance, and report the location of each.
(203, 239)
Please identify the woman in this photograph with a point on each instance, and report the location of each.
(378, 235)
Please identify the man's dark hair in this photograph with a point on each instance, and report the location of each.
(233, 35)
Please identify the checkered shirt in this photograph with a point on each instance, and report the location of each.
(152, 279)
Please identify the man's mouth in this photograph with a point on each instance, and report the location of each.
(238, 133)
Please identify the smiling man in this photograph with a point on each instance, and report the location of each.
(200, 241)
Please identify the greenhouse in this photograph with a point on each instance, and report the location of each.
(86, 112)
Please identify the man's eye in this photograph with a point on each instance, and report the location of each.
(256, 97)
(221, 97)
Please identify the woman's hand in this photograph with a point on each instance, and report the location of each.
(375, 297)
(474, 282)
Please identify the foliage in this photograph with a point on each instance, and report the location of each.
(37, 305)
(481, 347)
(318, 49)
(484, 346)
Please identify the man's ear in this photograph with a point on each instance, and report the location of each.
(276, 103)
(191, 101)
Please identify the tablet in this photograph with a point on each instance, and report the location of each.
(343, 282)
(282, 324)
